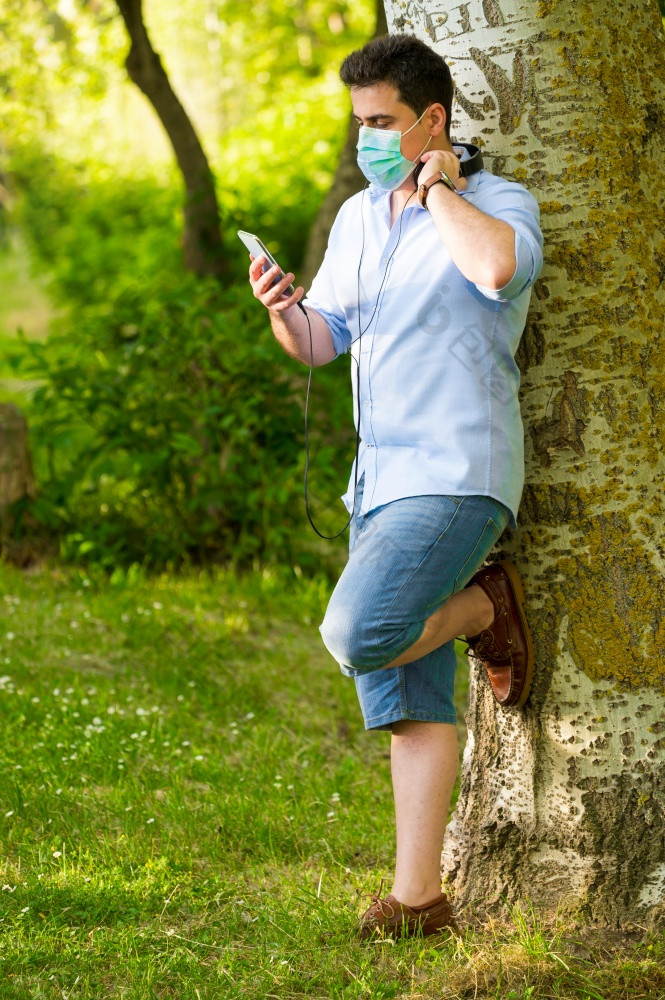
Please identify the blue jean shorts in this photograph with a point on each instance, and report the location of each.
(406, 559)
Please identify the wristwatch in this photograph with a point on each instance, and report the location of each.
(440, 177)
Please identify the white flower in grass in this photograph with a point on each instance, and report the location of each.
(10, 635)
(330, 814)
(199, 756)
(25, 909)
(57, 854)
(157, 605)
(10, 813)
(151, 820)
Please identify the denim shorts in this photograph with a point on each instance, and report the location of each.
(406, 559)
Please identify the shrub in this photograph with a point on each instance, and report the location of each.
(168, 428)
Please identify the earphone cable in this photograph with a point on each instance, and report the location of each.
(361, 331)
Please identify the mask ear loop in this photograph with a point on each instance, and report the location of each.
(361, 331)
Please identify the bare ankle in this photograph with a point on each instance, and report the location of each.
(416, 895)
(485, 613)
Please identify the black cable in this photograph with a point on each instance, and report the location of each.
(311, 367)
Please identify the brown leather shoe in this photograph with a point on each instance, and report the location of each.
(389, 918)
(506, 647)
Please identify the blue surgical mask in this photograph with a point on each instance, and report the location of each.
(380, 155)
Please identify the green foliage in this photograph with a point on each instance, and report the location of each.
(168, 423)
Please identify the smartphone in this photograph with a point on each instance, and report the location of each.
(258, 249)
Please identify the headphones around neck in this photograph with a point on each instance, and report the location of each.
(466, 167)
(475, 161)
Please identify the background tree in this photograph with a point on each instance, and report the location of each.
(202, 240)
(564, 801)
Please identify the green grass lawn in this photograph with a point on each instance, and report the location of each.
(190, 806)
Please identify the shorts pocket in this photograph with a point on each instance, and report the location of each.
(488, 537)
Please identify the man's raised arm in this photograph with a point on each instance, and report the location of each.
(287, 317)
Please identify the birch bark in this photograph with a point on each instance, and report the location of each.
(564, 802)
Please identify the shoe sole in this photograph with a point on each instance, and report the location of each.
(518, 590)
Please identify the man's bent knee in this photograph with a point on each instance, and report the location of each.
(354, 644)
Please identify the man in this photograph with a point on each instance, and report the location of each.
(427, 284)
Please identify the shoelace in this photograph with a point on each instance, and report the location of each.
(379, 902)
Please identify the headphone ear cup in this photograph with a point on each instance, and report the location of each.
(474, 163)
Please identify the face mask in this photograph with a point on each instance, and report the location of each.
(380, 155)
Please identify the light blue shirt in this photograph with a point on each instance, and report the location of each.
(438, 385)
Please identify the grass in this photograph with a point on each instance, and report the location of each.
(189, 808)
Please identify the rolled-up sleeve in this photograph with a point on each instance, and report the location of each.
(321, 297)
(519, 209)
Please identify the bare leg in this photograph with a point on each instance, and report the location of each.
(424, 767)
(465, 613)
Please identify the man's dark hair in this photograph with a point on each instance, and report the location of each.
(419, 74)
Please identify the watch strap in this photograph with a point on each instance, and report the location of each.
(440, 177)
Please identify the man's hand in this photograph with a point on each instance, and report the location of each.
(305, 337)
(442, 159)
(273, 297)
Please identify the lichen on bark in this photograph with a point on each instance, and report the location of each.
(565, 800)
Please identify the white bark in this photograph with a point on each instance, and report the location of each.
(564, 801)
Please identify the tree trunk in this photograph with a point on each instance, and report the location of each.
(202, 241)
(17, 479)
(564, 801)
(347, 181)
(23, 540)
